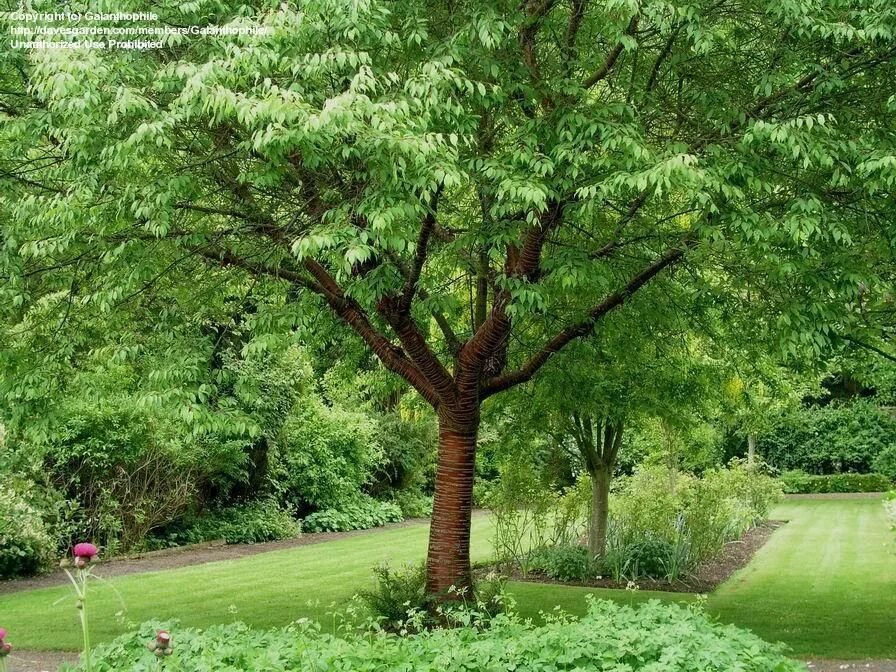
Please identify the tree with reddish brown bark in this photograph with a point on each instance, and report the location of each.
(469, 188)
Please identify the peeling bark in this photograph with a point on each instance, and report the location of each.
(448, 558)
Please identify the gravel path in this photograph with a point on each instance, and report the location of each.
(864, 665)
(39, 661)
(839, 495)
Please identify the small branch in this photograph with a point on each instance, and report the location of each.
(451, 338)
(392, 357)
(872, 348)
(422, 250)
(584, 327)
(224, 212)
(611, 59)
(576, 15)
(633, 209)
(536, 11)
(658, 63)
(228, 258)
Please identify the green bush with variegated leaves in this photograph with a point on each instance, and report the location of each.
(654, 636)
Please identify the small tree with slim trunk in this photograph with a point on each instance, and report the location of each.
(621, 378)
(598, 443)
(451, 181)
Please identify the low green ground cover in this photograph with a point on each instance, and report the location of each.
(609, 636)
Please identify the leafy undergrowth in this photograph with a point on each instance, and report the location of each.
(655, 637)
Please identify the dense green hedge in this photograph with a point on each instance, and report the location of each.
(251, 523)
(656, 637)
(798, 482)
(832, 439)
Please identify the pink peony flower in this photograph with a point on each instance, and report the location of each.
(85, 550)
(163, 638)
(2, 634)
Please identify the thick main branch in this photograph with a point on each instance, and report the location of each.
(583, 327)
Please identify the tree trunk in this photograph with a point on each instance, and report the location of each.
(751, 449)
(448, 558)
(600, 511)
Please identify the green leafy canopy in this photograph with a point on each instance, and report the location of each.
(470, 187)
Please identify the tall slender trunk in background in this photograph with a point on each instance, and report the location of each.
(751, 449)
(600, 511)
(671, 454)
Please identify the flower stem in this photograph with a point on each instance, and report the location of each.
(85, 627)
(3, 667)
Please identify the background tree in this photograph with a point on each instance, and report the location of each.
(553, 158)
(635, 370)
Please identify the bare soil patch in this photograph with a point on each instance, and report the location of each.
(864, 665)
(40, 661)
(839, 495)
(735, 555)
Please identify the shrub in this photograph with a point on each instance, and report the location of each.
(653, 636)
(528, 514)
(326, 455)
(399, 603)
(413, 504)
(563, 563)
(797, 482)
(649, 558)
(829, 439)
(522, 506)
(750, 484)
(662, 523)
(241, 524)
(398, 595)
(365, 512)
(408, 462)
(890, 506)
(127, 471)
(690, 518)
(26, 545)
(885, 462)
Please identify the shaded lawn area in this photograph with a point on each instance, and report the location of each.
(825, 584)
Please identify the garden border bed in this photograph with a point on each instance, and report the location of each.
(709, 575)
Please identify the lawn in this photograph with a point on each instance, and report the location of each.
(268, 589)
(825, 584)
